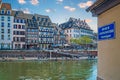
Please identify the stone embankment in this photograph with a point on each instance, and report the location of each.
(11, 55)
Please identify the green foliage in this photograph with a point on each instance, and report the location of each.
(82, 40)
(73, 40)
(85, 40)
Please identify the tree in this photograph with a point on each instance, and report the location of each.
(73, 40)
(85, 40)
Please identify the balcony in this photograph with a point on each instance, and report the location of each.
(46, 30)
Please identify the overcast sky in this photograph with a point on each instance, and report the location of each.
(58, 10)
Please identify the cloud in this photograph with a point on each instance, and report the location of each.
(59, 1)
(15, 9)
(71, 9)
(34, 2)
(50, 10)
(86, 4)
(88, 20)
(22, 1)
(26, 10)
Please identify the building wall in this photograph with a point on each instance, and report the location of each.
(69, 33)
(86, 32)
(45, 36)
(76, 33)
(19, 32)
(109, 50)
(6, 43)
(32, 38)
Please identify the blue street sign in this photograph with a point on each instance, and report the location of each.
(106, 32)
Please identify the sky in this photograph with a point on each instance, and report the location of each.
(58, 10)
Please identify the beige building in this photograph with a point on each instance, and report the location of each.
(108, 11)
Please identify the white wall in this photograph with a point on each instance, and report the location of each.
(6, 41)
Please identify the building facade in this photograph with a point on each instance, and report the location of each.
(46, 30)
(6, 24)
(31, 32)
(108, 49)
(76, 28)
(18, 30)
(59, 37)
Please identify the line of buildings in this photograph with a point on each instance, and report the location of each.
(19, 30)
(76, 28)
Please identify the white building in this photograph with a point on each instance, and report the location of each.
(76, 28)
(18, 30)
(6, 23)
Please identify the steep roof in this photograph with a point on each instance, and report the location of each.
(28, 16)
(18, 14)
(75, 23)
(101, 6)
(5, 6)
(42, 16)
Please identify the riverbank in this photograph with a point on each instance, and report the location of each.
(37, 55)
(46, 59)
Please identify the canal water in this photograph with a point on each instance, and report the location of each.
(49, 70)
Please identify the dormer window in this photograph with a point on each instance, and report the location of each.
(8, 12)
(15, 20)
(2, 12)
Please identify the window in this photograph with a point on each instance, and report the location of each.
(14, 32)
(15, 45)
(8, 12)
(13, 38)
(8, 37)
(67, 31)
(8, 30)
(8, 18)
(19, 45)
(17, 38)
(15, 20)
(2, 30)
(22, 21)
(15, 26)
(19, 20)
(23, 27)
(46, 20)
(19, 26)
(2, 37)
(23, 39)
(17, 32)
(42, 19)
(8, 24)
(2, 24)
(2, 11)
(2, 18)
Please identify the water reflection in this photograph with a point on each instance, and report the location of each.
(49, 70)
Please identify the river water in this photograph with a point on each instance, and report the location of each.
(49, 70)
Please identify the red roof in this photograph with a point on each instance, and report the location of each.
(5, 6)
